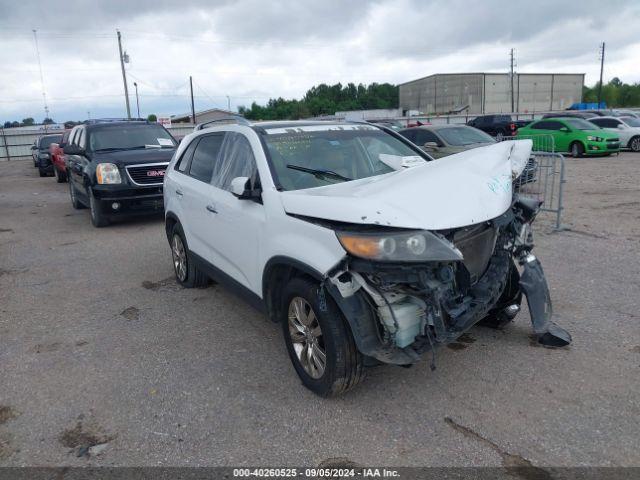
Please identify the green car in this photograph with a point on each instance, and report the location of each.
(574, 135)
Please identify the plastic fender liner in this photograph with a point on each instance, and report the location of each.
(534, 285)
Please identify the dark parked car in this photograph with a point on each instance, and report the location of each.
(40, 153)
(575, 114)
(442, 140)
(56, 154)
(117, 168)
(498, 126)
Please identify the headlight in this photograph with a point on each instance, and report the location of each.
(108, 173)
(415, 246)
(591, 138)
(44, 155)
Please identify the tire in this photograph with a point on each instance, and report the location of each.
(576, 149)
(634, 144)
(75, 203)
(319, 332)
(187, 273)
(500, 136)
(42, 172)
(98, 218)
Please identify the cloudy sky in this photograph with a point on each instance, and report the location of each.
(251, 50)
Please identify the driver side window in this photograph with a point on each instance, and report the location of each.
(236, 160)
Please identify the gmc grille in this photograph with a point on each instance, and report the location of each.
(150, 174)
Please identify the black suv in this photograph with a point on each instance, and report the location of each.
(117, 168)
(40, 153)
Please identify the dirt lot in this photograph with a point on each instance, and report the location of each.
(99, 346)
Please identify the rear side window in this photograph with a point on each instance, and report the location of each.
(424, 136)
(544, 125)
(183, 163)
(236, 160)
(205, 157)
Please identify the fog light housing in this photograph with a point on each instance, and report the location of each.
(115, 205)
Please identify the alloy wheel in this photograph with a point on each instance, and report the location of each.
(500, 136)
(179, 255)
(635, 144)
(306, 336)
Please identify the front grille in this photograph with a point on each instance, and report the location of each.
(149, 174)
(476, 244)
(612, 140)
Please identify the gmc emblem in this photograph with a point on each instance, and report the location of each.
(155, 173)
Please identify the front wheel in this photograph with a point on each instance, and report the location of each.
(577, 150)
(634, 144)
(319, 341)
(98, 218)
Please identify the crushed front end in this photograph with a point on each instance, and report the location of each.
(405, 293)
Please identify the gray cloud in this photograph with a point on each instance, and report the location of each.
(251, 49)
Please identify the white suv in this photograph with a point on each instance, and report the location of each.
(362, 247)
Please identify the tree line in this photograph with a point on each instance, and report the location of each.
(616, 94)
(325, 100)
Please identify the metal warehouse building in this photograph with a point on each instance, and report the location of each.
(491, 92)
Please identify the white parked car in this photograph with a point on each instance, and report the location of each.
(627, 128)
(362, 247)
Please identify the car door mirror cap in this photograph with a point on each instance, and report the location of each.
(621, 126)
(241, 188)
(564, 129)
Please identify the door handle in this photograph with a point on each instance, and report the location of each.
(212, 209)
(179, 193)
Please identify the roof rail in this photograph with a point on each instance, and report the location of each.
(230, 119)
(92, 121)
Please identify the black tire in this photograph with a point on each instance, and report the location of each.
(75, 202)
(188, 275)
(576, 149)
(42, 172)
(98, 218)
(497, 316)
(344, 364)
(634, 144)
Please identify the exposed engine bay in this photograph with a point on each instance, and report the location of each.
(400, 310)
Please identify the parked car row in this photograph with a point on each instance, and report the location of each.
(350, 235)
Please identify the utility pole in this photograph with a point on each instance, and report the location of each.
(228, 103)
(135, 84)
(124, 75)
(601, 70)
(511, 78)
(44, 95)
(193, 108)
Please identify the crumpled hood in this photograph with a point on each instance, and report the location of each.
(455, 191)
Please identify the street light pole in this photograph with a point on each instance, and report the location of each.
(135, 84)
(228, 103)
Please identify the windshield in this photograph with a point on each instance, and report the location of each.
(127, 137)
(318, 155)
(579, 124)
(631, 121)
(46, 141)
(460, 136)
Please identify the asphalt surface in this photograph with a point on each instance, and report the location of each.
(98, 345)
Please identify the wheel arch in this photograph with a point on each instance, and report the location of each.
(635, 137)
(170, 220)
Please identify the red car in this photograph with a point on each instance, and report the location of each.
(57, 158)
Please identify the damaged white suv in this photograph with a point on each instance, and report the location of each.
(365, 249)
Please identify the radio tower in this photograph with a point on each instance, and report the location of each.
(44, 94)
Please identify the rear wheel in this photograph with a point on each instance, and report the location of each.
(187, 273)
(577, 150)
(98, 218)
(634, 144)
(319, 341)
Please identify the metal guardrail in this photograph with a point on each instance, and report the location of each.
(15, 143)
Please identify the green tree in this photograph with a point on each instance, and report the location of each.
(27, 122)
(47, 121)
(152, 118)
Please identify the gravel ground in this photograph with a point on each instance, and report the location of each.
(99, 346)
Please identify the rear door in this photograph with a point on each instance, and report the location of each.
(543, 137)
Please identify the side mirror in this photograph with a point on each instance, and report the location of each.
(241, 188)
(431, 145)
(564, 129)
(73, 150)
(621, 126)
(33, 147)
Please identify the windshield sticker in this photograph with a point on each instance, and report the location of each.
(165, 142)
(398, 162)
(319, 128)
